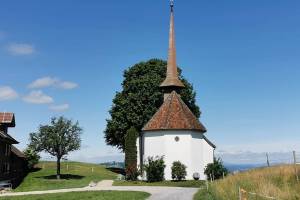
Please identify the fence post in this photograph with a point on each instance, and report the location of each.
(240, 195)
(295, 165)
(207, 185)
(268, 163)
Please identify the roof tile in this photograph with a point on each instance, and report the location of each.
(7, 118)
(174, 114)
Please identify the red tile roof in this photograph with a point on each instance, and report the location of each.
(8, 119)
(174, 114)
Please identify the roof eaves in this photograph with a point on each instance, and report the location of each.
(209, 142)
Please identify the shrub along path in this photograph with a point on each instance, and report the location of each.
(157, 193)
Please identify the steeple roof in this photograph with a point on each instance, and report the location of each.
(172, 79)
(174, 114)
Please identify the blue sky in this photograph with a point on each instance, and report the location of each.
(67, 58)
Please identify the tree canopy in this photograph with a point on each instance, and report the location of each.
(140, 98)
(58, 139)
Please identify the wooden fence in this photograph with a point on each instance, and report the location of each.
(244, 195)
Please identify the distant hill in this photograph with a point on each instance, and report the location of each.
(113, 164)
(277, 181)
(242, 167)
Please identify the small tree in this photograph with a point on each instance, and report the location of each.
(131, 154)
(58, 139)
(216, 169)
(178, 171)
(32, 157)
(155, 169)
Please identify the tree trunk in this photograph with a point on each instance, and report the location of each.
(58, 169)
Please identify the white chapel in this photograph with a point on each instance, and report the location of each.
(174, 131)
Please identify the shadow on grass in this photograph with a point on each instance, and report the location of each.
(62, 177)
(117, 170)
(36, 169)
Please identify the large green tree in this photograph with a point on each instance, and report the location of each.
(58, 139)
(140, 98)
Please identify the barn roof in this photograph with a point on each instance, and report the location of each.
(17, 152)
(8, 138)
(8, 119)
(174, 114)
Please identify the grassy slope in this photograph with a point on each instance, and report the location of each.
(163, 183)
(277, 181)
(103, 195)
(78, 175)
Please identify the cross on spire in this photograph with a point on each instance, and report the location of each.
(172, 5)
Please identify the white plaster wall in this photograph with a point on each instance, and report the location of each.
(197, 155)
(177, 151)
(191, 150)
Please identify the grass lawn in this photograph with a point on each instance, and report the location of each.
(74, 175)
(188, 183)
(278, 181)
(204, 195)
(102, 195)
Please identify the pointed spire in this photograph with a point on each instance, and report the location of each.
(172, 80)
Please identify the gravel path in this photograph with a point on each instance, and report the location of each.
(157, 192)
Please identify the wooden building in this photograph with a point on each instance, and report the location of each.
(13, 165)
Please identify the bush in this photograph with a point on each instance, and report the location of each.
(32, 157)
(178, 171)
(131, 154)
(132, 173)
(215, 170)
(155, 169)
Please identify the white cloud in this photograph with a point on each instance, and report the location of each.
(249, 157)
(60, 108)
(7, 93)
(255, 153)
(52, 82)
(67, 85)
(21, 49)
(43, 82)
(38, 97)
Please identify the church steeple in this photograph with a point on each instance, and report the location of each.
(172, 81)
